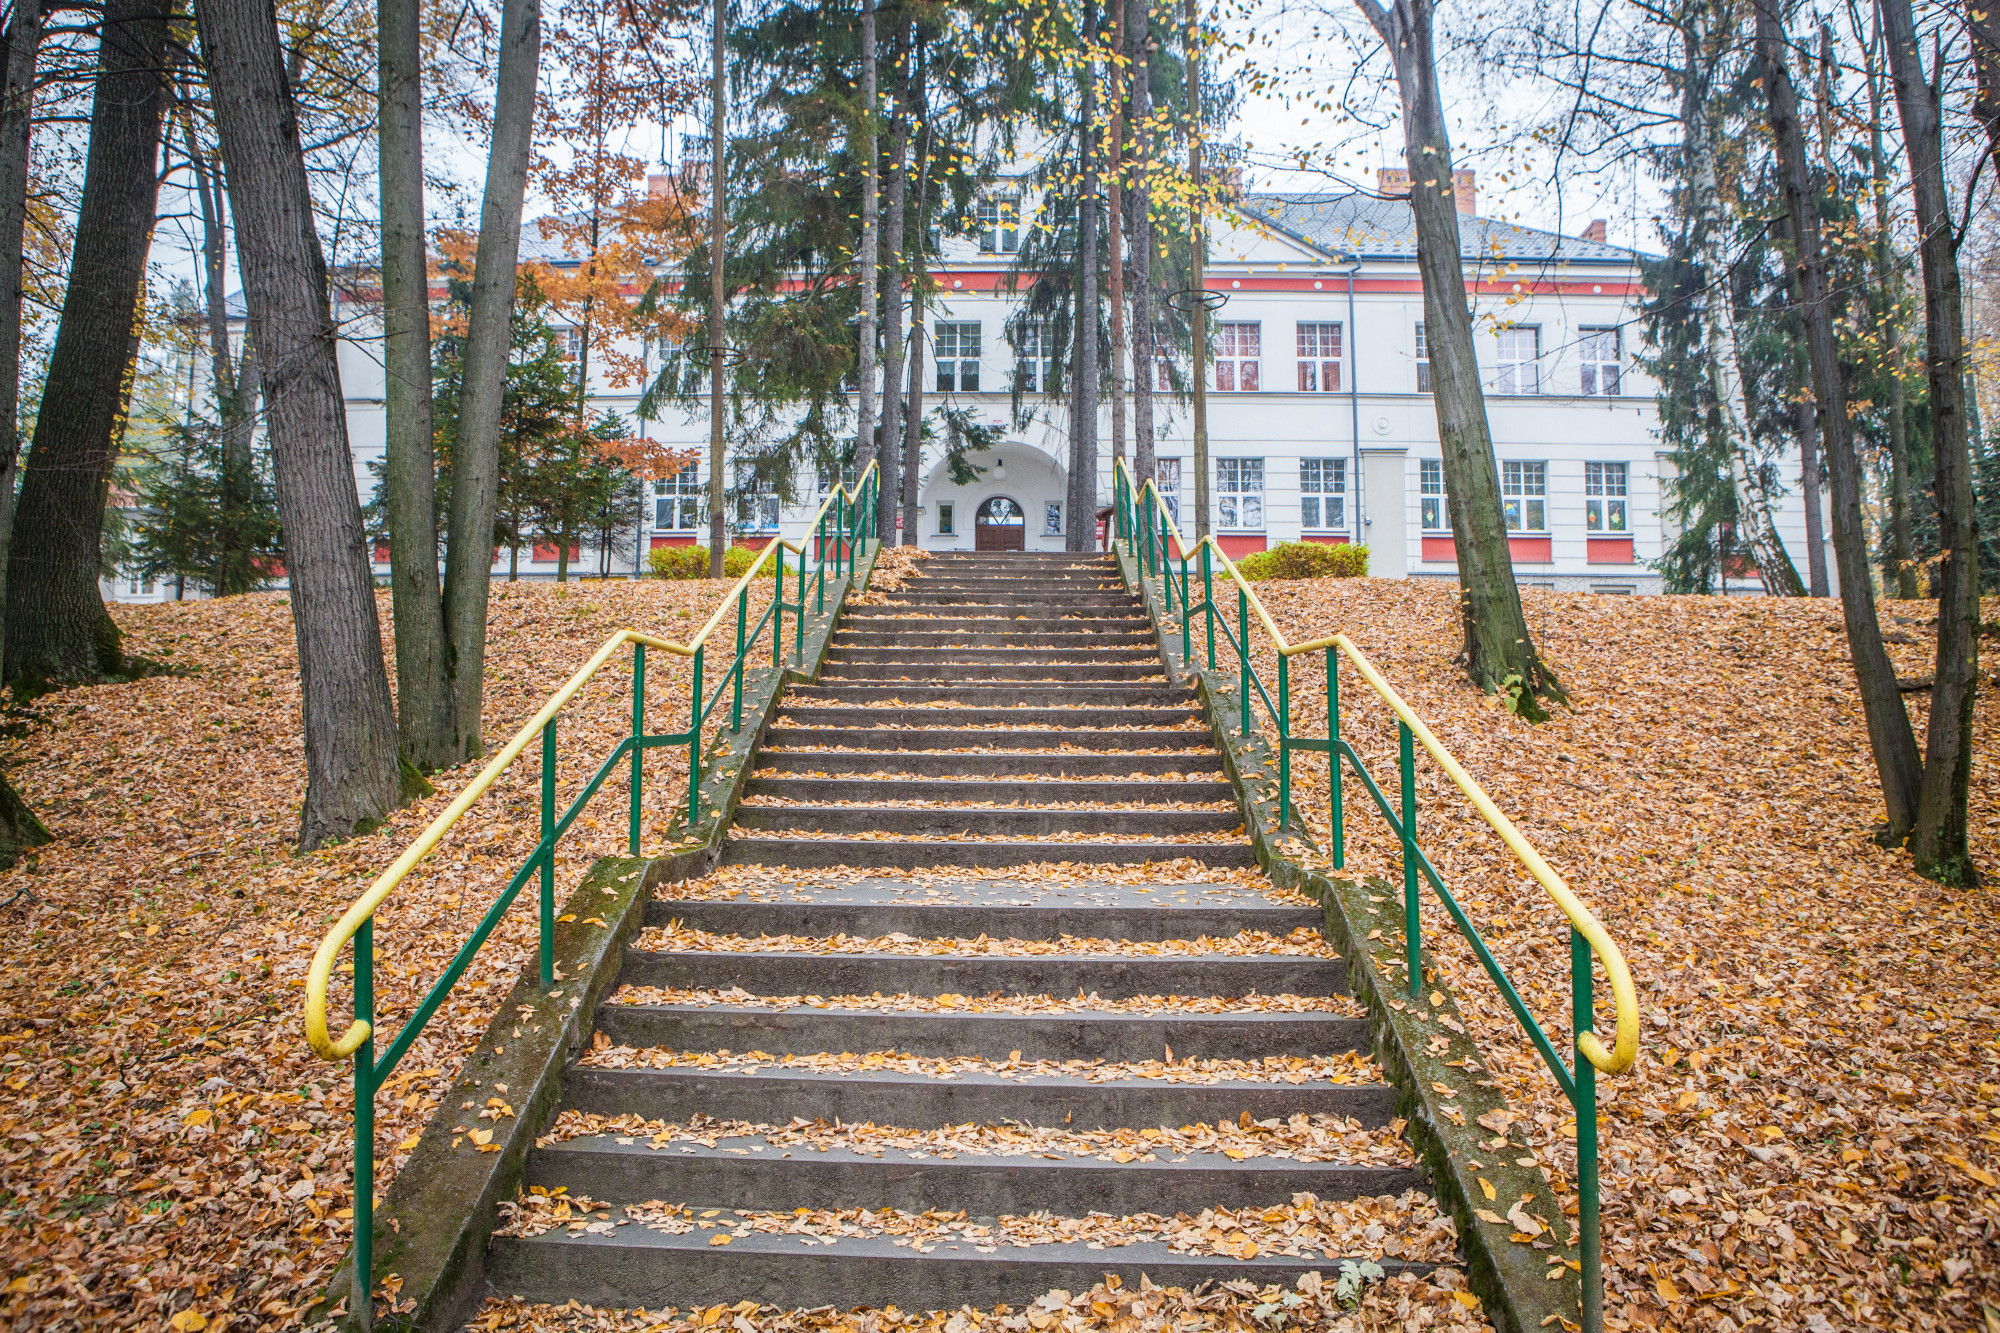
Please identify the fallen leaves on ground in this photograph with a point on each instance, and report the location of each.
(1301, 943)
(1343, 1068)
(997, 1003)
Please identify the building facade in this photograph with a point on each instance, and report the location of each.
(1320, 420)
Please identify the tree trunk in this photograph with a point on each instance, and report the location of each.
(1499, 654)
(1900, 579)
(1805, 425)
(21, 44)
(350, 726)
(1938, 842)
(718, 280)
(919, 279)
(869, 260)
(1197, 274)
(1145, 359)
(893, 349)
(1889, 734)
(409, 479)
(1114, 208)
(57, 628)
(475, 482)
(1082, 526)
(215, 310)
(19, 829)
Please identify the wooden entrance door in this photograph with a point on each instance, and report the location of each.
(999, 525)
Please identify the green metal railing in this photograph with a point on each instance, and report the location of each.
(1154, 542)
(842, 532)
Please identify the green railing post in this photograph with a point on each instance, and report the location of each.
(548, 853)
(1187, 615)
(778, 606)
(819, 569)
(1333, 757)
(799, 620)
(638, 738)
(1413, 949)
(1243, 653)
(839, 531)
(742, 620)
(1587, 1223)
(1284, 743)
(694, 741)
(1208, 601)
(361, 1301)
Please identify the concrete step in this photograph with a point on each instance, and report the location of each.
(636, 1267)
(933, 660)
(747, 1173)
(1041, 791)
(977, 695)
(937, 763)
(940, 736)
(917, 855)
(1130, 668)
(930, 1103)
(930, 640)
(1049, 585)
(916, 597)
(1028, 822)
(1108, 976)
(1068, 1036)
(808, 714)
(899, 620)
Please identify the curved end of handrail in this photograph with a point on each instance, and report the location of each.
(317, 1036)
(1624, 1051)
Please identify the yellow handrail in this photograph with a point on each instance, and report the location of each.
(1625, 995)
(364, 907)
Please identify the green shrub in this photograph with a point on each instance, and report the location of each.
(691, 562)
(1305, 560)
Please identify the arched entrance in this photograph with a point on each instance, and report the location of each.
(999, 525)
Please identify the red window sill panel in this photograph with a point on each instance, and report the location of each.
(1611, 551)
(1523, 550)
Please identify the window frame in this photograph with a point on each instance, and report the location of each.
(1423, 358)
(1508, 376)
(1244, 373)
(953, 380)
(763, 495)
(1433, 504)
(1320, 372)
(1318, 489)
(999, 233)
(684, 498)
(1524, 497)
(1597, 375)
(1038, 360)
(945, 517)
(1052, 518)
(1171, 494)
(1234, 497)
(1607, 513)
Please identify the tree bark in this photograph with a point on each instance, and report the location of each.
(1805, 425)
(1499, 655)
(1197, 274)
(1894, 745)
(350, 725)
(57, 628)
(918, 276)
(1082, 526)
(21, 44)
(1114, 209)
(1900, 548)
(475, 482)
(895, 468)
(869, 259)
(1938, 842)
(718, 280)
(424, 686)
(1145, 359)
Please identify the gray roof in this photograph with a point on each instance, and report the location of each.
(1344, 224)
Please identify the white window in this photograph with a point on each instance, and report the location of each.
(756, 503)
(1431, 497)
(139, 585)
(958, 357)
(677, 502)
(1319, 358)
(572, 342)
(1604, 497)
(1052, 519)
(826, 480)
(1423, 361)
(1524, 490)
(1598, 350)
(1322, 493)
(1167, 480)
(1032, 349)
(1237, 349)
(944, 519)
(1239, 494)
(1520, 360)
(999, 225)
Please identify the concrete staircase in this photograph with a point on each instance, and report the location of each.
(865, 1088)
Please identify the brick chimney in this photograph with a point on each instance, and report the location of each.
(1396, 180)
(1594, 232)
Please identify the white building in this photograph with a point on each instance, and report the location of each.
(1321, 426)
